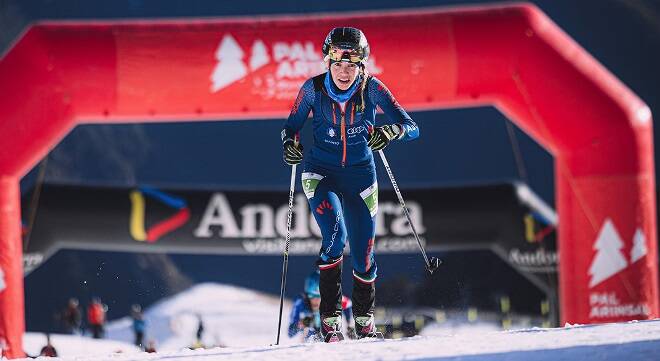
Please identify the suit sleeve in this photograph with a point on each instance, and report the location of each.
(300, 111)
(382, 97)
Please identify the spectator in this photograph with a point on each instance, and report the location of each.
(199, 334)
(96, 317)
(139, 324)
(72, 317)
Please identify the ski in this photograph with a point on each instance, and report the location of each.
(334, 336)
(375, 335)
(378, 335)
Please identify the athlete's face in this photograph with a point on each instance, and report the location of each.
(315, 303)
(344, 74)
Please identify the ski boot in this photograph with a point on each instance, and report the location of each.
(331, 328)
(365, 327)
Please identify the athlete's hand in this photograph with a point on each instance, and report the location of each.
(293, 330)
(381, 136)
(293, 152)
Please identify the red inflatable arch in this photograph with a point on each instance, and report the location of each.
(513, 57)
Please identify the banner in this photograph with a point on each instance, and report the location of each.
(238, 69)
(254, 223)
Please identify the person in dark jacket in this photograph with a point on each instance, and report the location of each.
(72, 317)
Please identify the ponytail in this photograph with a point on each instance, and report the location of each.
(363, 86)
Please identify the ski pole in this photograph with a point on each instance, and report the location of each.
(434, 262)
(285, 263)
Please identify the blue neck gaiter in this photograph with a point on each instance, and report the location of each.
(337, 94)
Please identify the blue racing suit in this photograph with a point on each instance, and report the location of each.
(339, 176)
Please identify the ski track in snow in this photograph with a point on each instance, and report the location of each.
(246, 321)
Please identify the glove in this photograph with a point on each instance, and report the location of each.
(307, 321)
(293, 329)
(293, 153)
(382, 136)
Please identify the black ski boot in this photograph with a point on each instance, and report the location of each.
(330, 308)
(364, 296)
(365, 327)
(331, 328)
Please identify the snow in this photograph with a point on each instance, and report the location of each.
(72, 346)
(245, 322)
(232, 316)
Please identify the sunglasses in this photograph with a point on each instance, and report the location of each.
(338, 54)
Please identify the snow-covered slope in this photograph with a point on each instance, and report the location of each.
(637, 341)
(246, 321)
(232, 316)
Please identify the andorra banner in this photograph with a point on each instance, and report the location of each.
(147, 219)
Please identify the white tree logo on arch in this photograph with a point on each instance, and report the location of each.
(230, 67)
(294, 62)
(639, 249)
(610, 259)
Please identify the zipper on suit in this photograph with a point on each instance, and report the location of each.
(343, 137)
(342, 127)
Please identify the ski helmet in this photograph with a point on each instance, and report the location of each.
(346, 44)
(312, 285)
